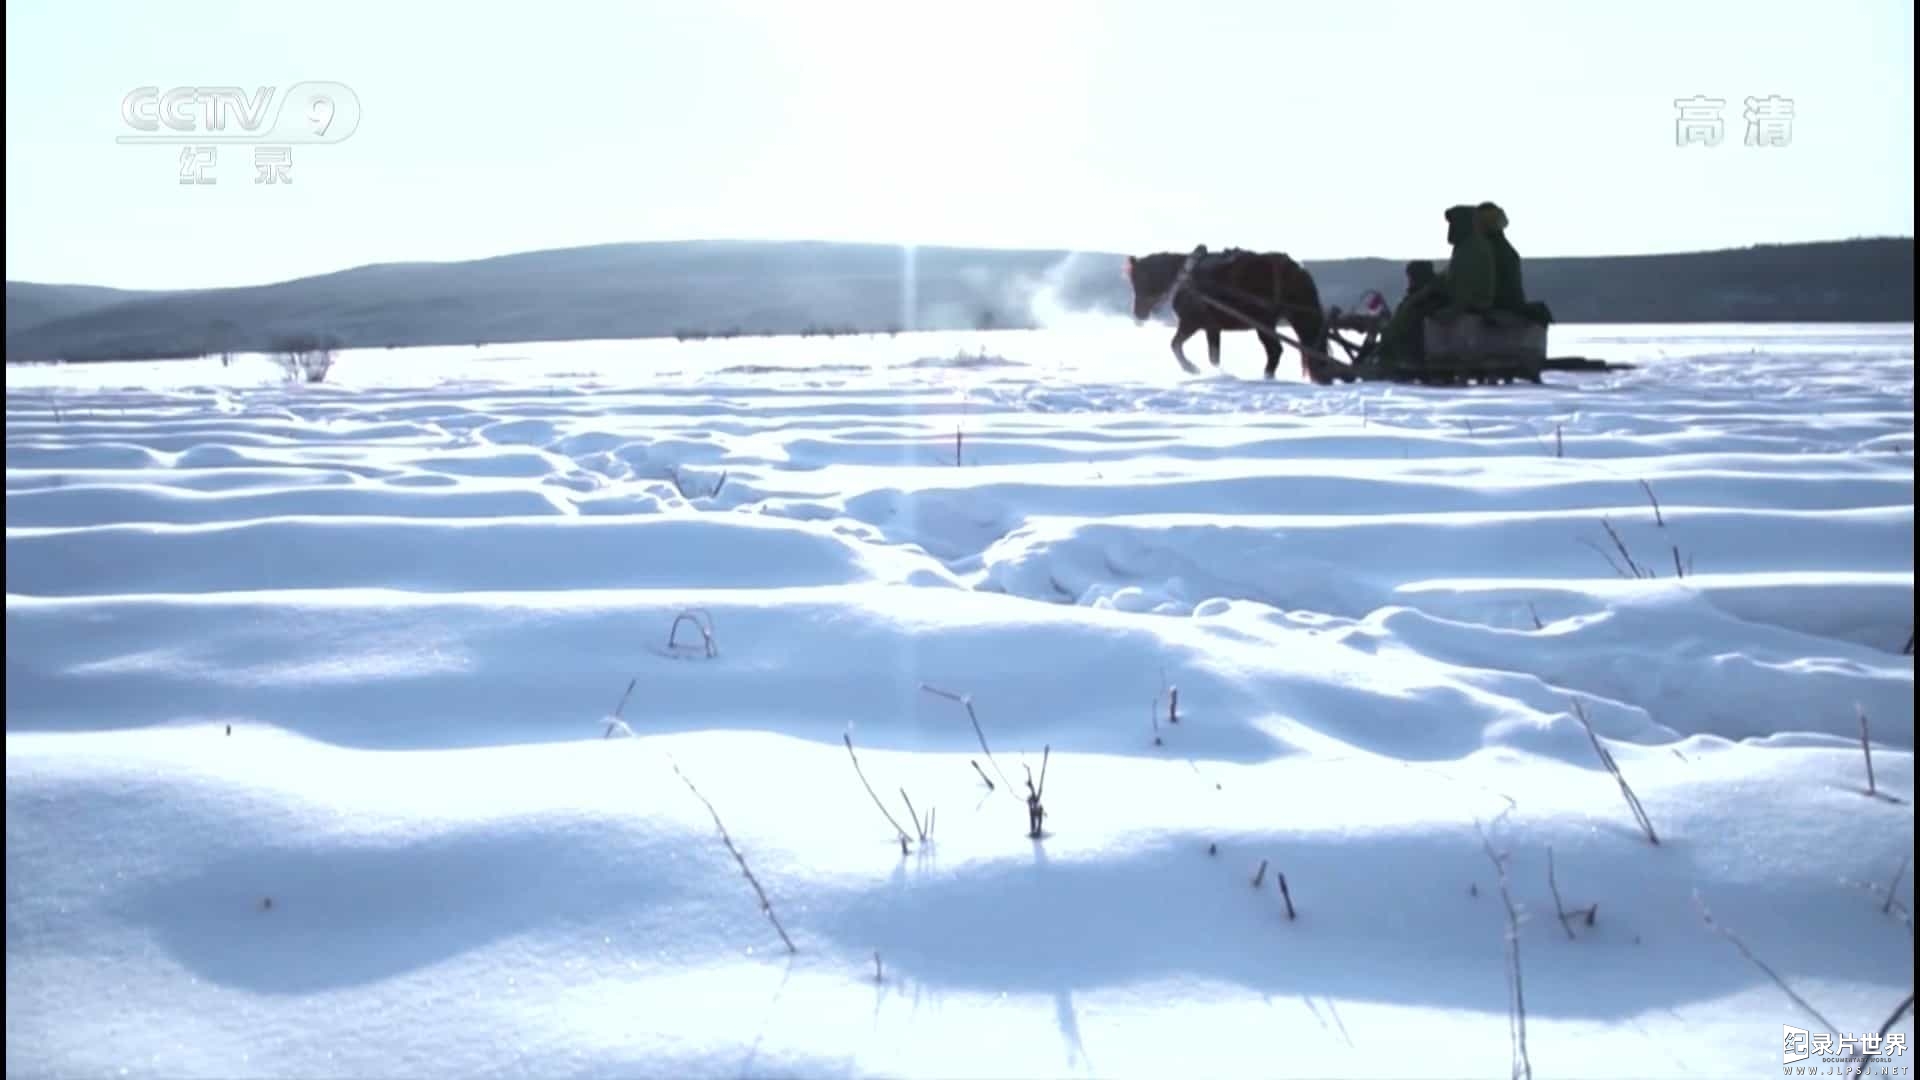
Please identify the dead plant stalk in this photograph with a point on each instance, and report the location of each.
(1866, 748)
(1700, 904)
(1566, 917)
(1612, 766)
(1893, 1018)
(702, 621)
(766, 905)
(1516, 991)
(1621, 546)
(966, 702)
(615, 722)
(875, 795)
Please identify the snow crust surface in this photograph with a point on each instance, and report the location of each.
(313, 769)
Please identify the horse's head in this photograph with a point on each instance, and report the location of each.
(1152, 278)
(1299, 302)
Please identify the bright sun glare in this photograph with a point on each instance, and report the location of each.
(933, 117)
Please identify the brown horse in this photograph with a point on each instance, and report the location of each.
(1232, 290)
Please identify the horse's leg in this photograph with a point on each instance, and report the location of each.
(1213, 345)
(1312, 368)
(1272, 342)
(1180, 336)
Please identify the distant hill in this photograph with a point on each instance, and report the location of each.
(710, 288)
(29, 304)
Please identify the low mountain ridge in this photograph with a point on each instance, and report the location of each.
(728, 287)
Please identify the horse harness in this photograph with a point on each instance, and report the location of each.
(1183, 281)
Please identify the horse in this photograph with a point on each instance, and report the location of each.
(1235, 289)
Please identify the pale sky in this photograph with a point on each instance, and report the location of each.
(1324, 129)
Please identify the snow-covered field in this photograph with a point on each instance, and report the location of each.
(308, 692)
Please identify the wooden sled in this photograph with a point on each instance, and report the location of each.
(1496, 349)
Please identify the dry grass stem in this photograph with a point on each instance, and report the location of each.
(1621, 546)
(983, 773)
(701, 621)
(966, 702)
(923, 831)
(1866, 748)
(1516, 991)
(1612, 766)
(766, 905)
(1707, 914)
(1589, 913)
(1892, 1019)
(680, 485)
(1658, 520)
(614, 721)
(848, 739)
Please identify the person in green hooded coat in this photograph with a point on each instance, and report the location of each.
(1467, 285)
(1470, 273)
(1509, 290)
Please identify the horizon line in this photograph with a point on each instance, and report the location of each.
(894, 244)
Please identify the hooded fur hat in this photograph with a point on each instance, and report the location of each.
(1460, 222)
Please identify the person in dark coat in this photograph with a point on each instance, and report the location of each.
(1426, 294)
(1470, 268)
(1422, 280)
(1509, 284)
(1467, 284)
